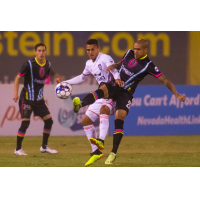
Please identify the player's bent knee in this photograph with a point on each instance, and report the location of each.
(48, 123)
(24, 126)
(105, 110)
(46, 117)
(120, 114)
(86, 121)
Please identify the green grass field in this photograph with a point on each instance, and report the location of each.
(134, 151)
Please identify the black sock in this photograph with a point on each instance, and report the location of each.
(21, 133)
(96, 152)
(46, 132)
(19, 142)
(92, 97)
(45, 140)
(117, 134)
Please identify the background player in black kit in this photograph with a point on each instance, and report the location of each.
(31, 99)
(133, 67)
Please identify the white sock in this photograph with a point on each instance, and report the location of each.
(103, 126)
(91, 133)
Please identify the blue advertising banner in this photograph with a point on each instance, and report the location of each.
(156, 111)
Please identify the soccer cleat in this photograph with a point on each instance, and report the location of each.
(49, 150)
(111, 158)
(97, 142)
(93, 159)
(76, 104)
(19, 152)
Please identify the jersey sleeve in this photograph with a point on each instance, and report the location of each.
(125, 55)
(86, 71)
(154, 71)
(108, 61)
(25, 68)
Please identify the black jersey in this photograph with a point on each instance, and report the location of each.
(34, 77)
(134, 70)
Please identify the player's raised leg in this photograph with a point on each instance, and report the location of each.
(48, 122)
(102, 92)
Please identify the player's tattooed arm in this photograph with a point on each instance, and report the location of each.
(114, 66)
(171, 87)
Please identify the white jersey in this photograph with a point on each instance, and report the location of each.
(98, 69)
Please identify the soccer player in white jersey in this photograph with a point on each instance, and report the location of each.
(96, 66)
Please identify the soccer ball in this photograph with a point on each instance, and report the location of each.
(63, 90)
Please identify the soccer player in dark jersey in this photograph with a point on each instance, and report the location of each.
(31, 98)
(133, 67)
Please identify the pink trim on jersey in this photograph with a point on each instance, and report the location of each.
(86, 74)
(111, 103)
(93, 112)
(122, 59)
(103, 116)
(156, 75)
(88, 127)
(47, 80)
(21, 74)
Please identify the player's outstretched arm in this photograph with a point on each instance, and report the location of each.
(171, 87)
(16, 88)
(114, 66)
(76, 80)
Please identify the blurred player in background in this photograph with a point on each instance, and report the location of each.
(133, 67)
(102, 108)
(35, 72)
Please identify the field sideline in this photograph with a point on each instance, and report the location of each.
(134, 151)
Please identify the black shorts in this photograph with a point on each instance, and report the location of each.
(38, 107)
(122, 97)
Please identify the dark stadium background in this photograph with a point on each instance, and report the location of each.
(66, 51)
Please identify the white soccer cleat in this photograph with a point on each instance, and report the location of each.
(111, 158)
(19, 152)
(49, 150)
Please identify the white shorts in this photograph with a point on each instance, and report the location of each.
(93, 111)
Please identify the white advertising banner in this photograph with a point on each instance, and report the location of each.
(66, 122)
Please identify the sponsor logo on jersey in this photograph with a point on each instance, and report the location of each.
(156, 69)
(100, 67)
(97, 74)
(102, 78)
(99, 77)
(39, 81)
(132, 63)
(127, 71)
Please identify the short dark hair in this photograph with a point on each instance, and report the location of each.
(92, 41)
(39, 45)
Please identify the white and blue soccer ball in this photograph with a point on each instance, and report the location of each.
(63, 90)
